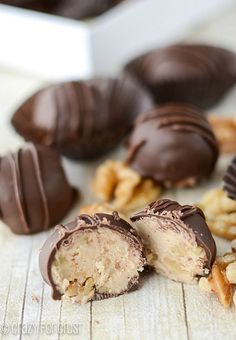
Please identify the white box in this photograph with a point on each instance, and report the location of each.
(56, 48)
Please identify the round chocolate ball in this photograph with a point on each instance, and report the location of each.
(196, 74)
(173, 144)
(83, 119)
(34, 191)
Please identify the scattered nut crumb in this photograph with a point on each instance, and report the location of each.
(221, 286)
(35, 298)
(205, 285)
(220, 212)
(225, 131)
(122, 187)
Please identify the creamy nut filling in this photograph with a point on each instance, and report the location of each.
(172, 249)
(98, 261)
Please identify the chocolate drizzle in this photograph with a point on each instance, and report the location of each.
(34, 193)
(83, 119)
(166, 138)
(196, 74)
(230, 180)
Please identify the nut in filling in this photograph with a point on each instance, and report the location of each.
(178, 242)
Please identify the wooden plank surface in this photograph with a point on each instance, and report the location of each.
(160, 309)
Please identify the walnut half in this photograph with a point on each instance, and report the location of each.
(225, 131)
(123, 188)
(220, 212)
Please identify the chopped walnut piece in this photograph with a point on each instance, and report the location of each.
(221, 285)
(94, 208)
(231, 272)
(122, 187)
(234, 298)
(225, 131)
(222, 279)
(220, 212)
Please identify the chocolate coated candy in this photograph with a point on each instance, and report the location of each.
(177, 240)
(34, 191)
(173, 144)
(92, 258)
(230, 180)
(196, 74)
(82, 119)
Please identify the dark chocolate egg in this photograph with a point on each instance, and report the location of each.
(34, 191)
(173, 144)
(84, 119)
(196, 74)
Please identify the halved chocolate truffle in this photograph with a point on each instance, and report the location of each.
(34, 191)
(177, 240)
(92, 258)
(83, 119)
(230, 180)
(173, 144)
(196, 74)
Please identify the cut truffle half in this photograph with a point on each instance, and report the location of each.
(230, 180)
(92, 258)
(178, 242)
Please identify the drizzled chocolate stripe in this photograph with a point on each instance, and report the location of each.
(41, 189)
(34, 192)
(18, 192)
(92, 116)
(230, 179)
(169, 205)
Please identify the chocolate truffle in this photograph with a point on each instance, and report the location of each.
(35, 5)
(92, 258)
(34, 191)
(230, 180)
(75, 9)
(173, 144)
(81, 9)
(196, 74)
(177, 240)
(83, 119)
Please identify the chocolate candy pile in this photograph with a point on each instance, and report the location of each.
(157, 103)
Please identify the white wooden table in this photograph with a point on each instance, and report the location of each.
(160, 309)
